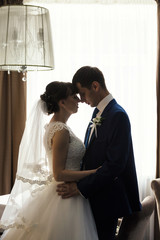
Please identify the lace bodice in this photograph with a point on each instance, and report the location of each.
(76, 147)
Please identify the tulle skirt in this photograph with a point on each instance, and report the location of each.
(49, 217)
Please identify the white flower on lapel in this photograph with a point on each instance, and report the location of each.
(96, 122)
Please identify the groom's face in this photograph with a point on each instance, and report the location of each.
(87, 95)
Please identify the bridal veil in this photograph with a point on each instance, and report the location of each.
(33, 172)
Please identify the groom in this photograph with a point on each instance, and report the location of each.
(113, 189)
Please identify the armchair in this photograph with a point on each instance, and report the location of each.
(134, 226)
(155, 185)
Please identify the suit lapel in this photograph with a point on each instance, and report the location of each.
(104, 113)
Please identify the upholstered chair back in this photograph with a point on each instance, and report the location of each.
(155, 185)
(134, 226)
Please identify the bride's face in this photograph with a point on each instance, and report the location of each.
(71, 103)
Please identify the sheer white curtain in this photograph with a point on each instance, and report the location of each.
(120, 39)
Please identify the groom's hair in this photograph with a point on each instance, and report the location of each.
(86, 75)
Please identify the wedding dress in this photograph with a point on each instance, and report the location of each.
(45, 215)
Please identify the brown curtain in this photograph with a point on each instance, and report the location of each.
(10, 2)
(158, 92)
(12, 121)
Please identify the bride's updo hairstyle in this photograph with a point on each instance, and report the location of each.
(56, 91)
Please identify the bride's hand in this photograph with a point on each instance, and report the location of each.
(98, 168)
(95, 170)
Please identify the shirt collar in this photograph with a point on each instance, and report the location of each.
(104, 102)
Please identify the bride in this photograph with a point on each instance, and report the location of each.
(49, 155)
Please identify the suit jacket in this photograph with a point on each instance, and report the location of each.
(113, 189)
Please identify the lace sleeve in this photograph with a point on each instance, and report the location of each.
(53, 128)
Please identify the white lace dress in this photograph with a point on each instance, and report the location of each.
(50, 217)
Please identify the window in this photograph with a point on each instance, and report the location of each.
(120, 39)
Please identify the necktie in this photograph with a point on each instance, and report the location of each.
(89, 128)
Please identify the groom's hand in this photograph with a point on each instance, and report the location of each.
(67, 190)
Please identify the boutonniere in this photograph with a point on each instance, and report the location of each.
(96, 122)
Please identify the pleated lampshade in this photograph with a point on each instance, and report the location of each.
(25, 38)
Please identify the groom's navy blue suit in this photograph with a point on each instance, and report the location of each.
(113, 189)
